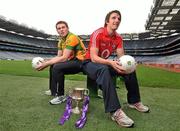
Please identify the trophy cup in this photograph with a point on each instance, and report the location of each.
(77, 94)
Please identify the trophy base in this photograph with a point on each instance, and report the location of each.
(76, 110)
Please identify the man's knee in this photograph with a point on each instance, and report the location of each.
(58, 66)
(104, 67)
(57, 69)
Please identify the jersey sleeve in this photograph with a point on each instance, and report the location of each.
(120, 42)
(59, 45)
(94, 40)
(72, 42)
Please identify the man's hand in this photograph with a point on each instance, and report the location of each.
(42, 66)
(117, 66)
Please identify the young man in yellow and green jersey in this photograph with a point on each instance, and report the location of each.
(74, 43)
(71, 53)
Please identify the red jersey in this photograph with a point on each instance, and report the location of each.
(106, 44)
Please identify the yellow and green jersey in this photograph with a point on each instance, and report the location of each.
(73, 42)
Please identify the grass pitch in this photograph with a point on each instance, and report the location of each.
(24, 107)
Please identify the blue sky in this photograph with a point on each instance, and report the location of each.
(83, 16)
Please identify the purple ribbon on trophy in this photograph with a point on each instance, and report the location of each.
(67, 113)
(82, 120)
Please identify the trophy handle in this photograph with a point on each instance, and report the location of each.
(71, 93)
(86, 92)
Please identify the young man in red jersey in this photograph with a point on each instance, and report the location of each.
(104, 42)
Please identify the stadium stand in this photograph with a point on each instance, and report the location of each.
(12, 43)
(159, 46)
(12, 25)
(164, 18)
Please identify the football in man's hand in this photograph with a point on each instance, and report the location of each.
(128, 63)
(36, 61)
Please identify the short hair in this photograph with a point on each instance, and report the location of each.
(109, 14)
(62, 22)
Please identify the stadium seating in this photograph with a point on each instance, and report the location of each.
(147, 50)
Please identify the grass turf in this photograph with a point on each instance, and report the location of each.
(24, 107)
(147, 77)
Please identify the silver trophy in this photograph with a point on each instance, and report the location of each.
(77, 94)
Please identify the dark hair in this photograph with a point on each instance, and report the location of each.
(62, 22)
(109, 14)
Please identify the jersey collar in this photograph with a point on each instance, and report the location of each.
(107, 35)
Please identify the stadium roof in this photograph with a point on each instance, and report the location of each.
(164, 18)
(12, 25)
